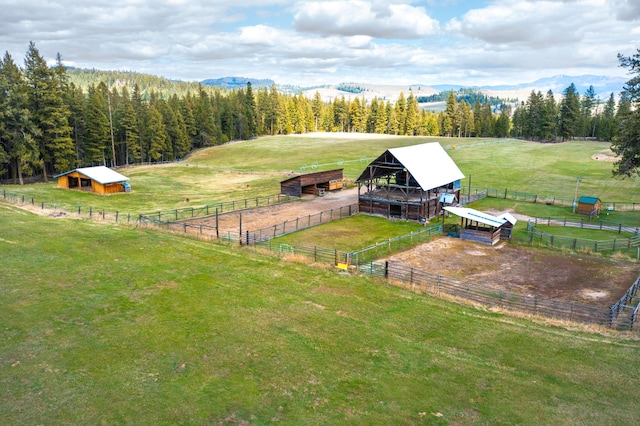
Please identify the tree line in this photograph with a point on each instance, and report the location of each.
(53, 119)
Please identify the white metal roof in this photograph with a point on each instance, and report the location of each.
(482, 217)
(100, 174)
(429, 164)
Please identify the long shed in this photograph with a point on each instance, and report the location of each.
(99, 179)
(313, 183)
(412, 182)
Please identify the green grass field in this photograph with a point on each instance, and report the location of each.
(251, 168)
(106, 324)
(352, 233)
(110, 324)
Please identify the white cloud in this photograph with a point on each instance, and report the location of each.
(357, 17)
(329, 41)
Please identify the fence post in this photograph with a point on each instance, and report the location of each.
(386, 269)
(90, 211)
(128, 217)
(505, 193)
(116, 216)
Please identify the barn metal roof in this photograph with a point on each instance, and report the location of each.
(100, 174)
(482, 217)
(428, 163)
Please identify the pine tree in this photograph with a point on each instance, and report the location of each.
(401, 114)
(549, 119)
(626, 142)
(449, 126)
(98, 129)
(316, 107)
(50, 114)
(570, 113)
(250, 113)
(17, 145)
(157, 135)
(128, 123)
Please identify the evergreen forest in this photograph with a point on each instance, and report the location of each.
(54, 119)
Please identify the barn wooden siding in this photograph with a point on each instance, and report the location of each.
(309, 183)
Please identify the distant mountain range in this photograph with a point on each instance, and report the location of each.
(237, 82)
(602, 85)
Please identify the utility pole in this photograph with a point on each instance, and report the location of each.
(575, 197)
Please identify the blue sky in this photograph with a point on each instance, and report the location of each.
(312, 42)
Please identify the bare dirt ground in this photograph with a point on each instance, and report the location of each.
(586, 279)
(264, 217)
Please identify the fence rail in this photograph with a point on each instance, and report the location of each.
(175, 215)
(490, 296)
(630, 244)
(549, 199)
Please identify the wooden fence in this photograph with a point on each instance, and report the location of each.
(54, 210)
(175, 215)
(548, 199)
(249, 237)
(490, 296)
(630, 245)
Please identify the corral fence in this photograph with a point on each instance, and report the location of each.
(249, 237)
(209, 210)
(475, 195)
(353, 258)
(623, 315)
(630, 245)
(546, 199)
(301, 222)
(620, 315)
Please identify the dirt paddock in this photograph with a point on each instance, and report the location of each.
(586, 279)
(264, 217)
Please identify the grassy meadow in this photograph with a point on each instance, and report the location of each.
(103, 323)
(109, 324)
(252, 168)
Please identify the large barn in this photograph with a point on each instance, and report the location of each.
(100, 179)
(313, 183)
(412, 183)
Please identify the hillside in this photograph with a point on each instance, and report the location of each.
(151, 328)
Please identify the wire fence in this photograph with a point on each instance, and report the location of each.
(54, 210)
(175, 215)
(629, 245)
(548, 199)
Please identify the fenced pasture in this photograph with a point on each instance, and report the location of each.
(110, 324)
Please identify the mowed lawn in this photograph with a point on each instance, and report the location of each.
(108, 324)
(248, 169)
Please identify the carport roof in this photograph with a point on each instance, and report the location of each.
(482, 217)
